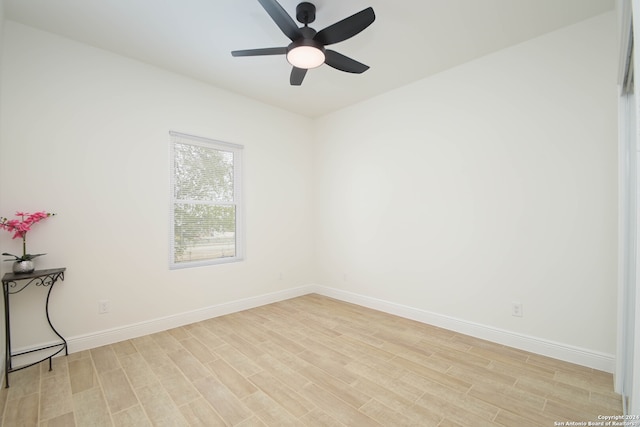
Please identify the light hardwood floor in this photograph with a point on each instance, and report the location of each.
(306, 361)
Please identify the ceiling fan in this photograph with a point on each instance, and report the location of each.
(307, 47)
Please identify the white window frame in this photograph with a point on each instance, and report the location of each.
(237, 151)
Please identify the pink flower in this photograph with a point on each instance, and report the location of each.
(13, 224)
(23, 227)
(19, 228)
(35, 217)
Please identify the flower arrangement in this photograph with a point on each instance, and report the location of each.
(19, 228)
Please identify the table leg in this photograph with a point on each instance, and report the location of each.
(7, 334)
(66, 347)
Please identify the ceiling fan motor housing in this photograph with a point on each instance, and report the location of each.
(306, 42)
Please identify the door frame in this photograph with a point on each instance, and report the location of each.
(627, 374)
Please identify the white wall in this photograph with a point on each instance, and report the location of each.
(85, 135)
(489, 183)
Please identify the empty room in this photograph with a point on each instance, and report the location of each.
(274, 212)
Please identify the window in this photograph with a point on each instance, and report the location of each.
(206, 208)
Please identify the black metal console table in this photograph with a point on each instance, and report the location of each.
(12, 283)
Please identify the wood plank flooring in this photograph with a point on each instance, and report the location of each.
(306, 361)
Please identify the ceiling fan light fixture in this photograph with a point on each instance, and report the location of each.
(305, 54)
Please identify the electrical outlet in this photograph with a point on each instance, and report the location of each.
(104, 306)
(516, 309)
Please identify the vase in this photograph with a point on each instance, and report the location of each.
(23, 267)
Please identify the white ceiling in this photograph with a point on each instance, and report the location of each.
(410, 39)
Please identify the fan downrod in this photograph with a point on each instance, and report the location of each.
(305, 13)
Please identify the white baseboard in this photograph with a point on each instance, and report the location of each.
(568, 353)
(122, 333)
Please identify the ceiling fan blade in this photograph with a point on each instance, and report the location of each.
(346, 28)
(260, 52)
(281, 18)
(297, 76)
(344, 63)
